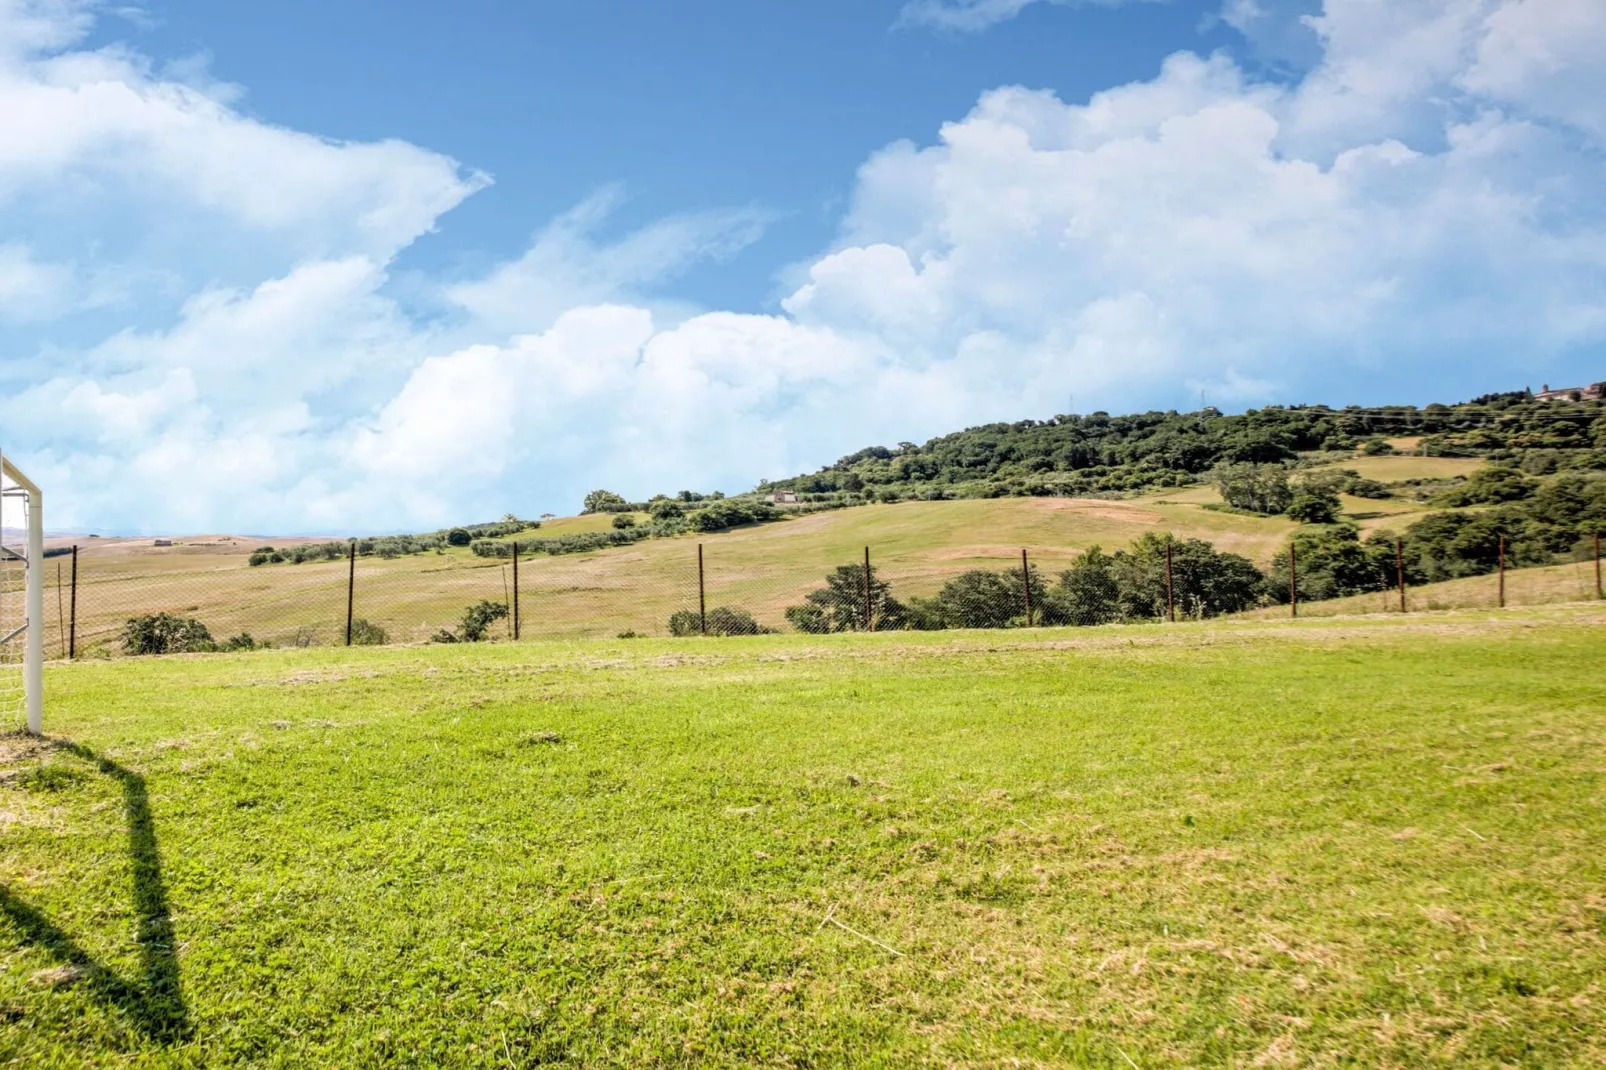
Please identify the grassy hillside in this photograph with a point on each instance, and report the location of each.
(761, 569)
(1572, 582)
(1112, 847)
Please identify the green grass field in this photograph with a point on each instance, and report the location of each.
(1359, 842)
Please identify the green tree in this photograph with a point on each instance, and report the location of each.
(1205, 582)
(603, 501)
(1259, 488)
(1088, 591)
(458, 537)
(839, 606)
(623, 521)
(1331, 562)
(1314, 506)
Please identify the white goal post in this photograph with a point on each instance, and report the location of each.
(22, 595)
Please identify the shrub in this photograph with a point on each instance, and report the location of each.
(1491, 486)
(840, 605)
(722, 620)
(1332, 562)
(724, 513)
(265, 555)
(165, 633)
(458, 537)
(1362, 487)
(365, 632)
(980, 599)
(1088, 592)
(1205, 581)
(1310, 507)
(478, 619)
(476, 625)
(622, 521)
(240, 642)
(666, 509)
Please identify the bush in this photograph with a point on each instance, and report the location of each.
(365, 632)
(1205, 581)
(240, 642)
(165, 633)
(622, 521)
(1362, 487)
(458, 537)
(979, 599)
(1088, 592)
(722, 620)
(840, 605)
(666, 509)
(721, 514)
(1377, 447)
(1491, 486)
(476, 625)
(1310, 507)
(1332, 562)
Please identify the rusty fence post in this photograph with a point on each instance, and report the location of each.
(515, 589)
(1026, 583)
(351, 588)
(869, 612)
(1501, 599)
(1598, 592)
(702, 597)
(1293, 584)
(72, 625)
(1170, 601)
(61, 630)
(1399, 569)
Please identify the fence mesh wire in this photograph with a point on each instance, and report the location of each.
(13, 602)
(732, 584)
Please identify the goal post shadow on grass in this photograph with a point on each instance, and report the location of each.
(154, 1004)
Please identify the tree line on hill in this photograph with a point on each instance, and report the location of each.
(1099, 453)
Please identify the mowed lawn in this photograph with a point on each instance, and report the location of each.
(1378, 842)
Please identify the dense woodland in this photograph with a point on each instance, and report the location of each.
(1104, 454)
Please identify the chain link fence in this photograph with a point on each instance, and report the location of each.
(113, 597)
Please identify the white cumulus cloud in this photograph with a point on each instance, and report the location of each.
(206, 334)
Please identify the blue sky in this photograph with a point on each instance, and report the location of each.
(368, 266)
(691, 105)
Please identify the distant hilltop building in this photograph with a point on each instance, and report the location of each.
(784, 497)
(1593, 392)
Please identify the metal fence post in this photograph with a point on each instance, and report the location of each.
(515, 589)
(702, 595)
(869, 614)
(1170, 600)
(1501, 601)
(1293, 584)
(72, 626)
(61, 632)
(351, 588)
(1399, 569)
(1598, 592)
(1026, 583)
